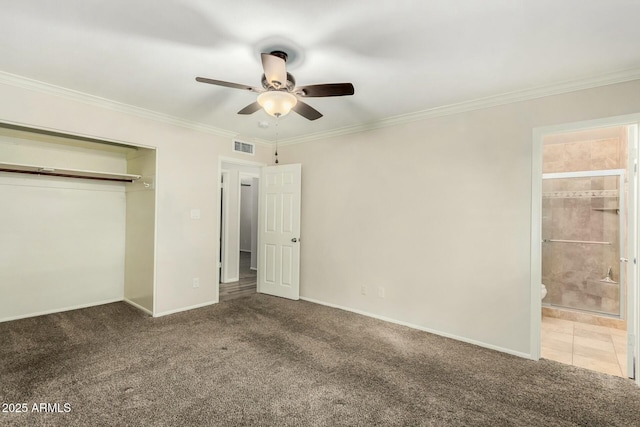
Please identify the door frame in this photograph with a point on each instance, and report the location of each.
(254, 235)
(633, 292)
(221, 234)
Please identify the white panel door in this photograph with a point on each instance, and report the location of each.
(279, 231)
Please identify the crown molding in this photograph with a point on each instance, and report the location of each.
(446, 110)
(74, 95)
(476, 104)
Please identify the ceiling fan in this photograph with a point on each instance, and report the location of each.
(279, 93)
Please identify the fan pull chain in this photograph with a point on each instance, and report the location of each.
(276, 153)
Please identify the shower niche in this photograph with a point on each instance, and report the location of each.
(583, 241)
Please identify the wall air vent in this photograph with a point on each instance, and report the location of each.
(243, 147)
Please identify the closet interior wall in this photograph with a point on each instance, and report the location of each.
(140, 230)
(68, 243)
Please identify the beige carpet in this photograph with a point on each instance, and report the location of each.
(272, 362)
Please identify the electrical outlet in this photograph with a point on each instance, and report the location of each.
(380, 291)
(196, 282)
(363, 289)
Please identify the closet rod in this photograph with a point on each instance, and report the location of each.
(98, 178)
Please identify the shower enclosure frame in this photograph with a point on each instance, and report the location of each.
(620, 173)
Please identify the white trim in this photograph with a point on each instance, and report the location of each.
(633, 294)
(223, 198)
(156, 203)
(74, 95)
(583, 174)
(536, 221)
(63, 132)
(445, 110)
(138, 306)
(238, 191)
(61, 310)
(235, 161)
(535, 287)
(420, 328)
(181, 309)
(624, 120)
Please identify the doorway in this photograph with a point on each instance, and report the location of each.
(584, 245)
(238, 261)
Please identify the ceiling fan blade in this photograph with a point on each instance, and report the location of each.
(227, 84)
(275, 70)
(306, 111)
(250, 109)
(327, 89)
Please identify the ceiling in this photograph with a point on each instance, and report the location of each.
(402, 56)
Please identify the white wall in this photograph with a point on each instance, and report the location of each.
(464, 272)
(456, 259)
(62, 240)
(187, 177)
(140, 230)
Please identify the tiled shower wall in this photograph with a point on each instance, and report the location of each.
(582, 209)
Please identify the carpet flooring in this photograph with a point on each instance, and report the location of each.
(266, 361)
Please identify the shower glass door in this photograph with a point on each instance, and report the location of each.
(583, 220)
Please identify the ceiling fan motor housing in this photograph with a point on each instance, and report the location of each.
(280, 54)
(291, 83)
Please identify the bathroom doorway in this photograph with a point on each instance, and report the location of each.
(586, 245)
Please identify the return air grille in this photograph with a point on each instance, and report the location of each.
(242, 147)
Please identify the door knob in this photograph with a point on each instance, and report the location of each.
(294, 240)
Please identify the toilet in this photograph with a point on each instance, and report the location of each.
(543, 291)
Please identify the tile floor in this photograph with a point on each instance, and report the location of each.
(592, 347)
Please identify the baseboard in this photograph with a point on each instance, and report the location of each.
(178, 310)
(246, 251)
(253, 268)
(422, 328)
(138, 306)
(60, 310)
(233, 279)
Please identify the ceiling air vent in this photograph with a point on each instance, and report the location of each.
(243, 147)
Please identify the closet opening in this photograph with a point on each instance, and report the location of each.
(78, 222)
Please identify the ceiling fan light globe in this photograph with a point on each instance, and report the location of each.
(277, 103)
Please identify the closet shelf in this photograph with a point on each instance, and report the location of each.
(67, 173)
